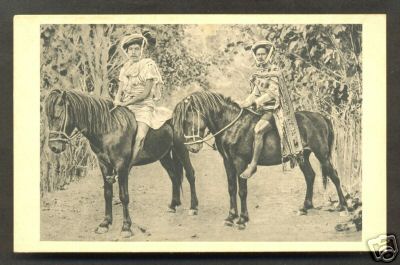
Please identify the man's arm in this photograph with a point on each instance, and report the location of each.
(271, 94)
(248, 101)
(251, 97)
(147, 88)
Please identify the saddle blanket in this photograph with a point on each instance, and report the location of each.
(159, 116)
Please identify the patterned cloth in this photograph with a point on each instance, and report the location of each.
(270, 92)
(265, 88)
(134, 77)
(291, 143)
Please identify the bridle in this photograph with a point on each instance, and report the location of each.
(196, 133)
(62, 135)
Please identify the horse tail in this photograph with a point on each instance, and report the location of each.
(331, 145)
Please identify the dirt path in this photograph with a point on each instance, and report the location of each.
(273, 200)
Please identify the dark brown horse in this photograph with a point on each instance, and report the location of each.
(233, 130)
(111, 135)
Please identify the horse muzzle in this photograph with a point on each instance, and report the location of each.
(195, 148)
(57, 146)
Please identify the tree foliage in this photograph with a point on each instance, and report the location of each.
(89, 57)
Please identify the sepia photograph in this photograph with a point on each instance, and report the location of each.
(201, 132)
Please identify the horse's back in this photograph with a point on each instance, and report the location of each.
(316, 131)
(164, 131)
(156, 144)
(312, 123)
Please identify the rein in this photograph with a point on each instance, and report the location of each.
(202, 140)
(62, 136)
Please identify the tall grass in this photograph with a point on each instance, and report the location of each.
(58, 170)
(346, 121)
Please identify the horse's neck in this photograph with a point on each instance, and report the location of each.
(85, 127)
(218, 121)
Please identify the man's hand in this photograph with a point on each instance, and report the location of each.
(118, 103)
(241, 104)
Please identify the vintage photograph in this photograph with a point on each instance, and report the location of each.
(201, 132)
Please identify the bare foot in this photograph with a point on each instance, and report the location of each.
(250, 170)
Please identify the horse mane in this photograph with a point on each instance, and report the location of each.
(92, 112)
(206, 102)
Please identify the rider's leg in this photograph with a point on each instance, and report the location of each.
(142, 130)
(262, 126)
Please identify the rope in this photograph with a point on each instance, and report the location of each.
(217, 133)
(62, 135)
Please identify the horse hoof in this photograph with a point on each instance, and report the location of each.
(171, 210)
(101, 230)
(193, 212)
(344, 213)
(301, 212)
(340, 208)
(241, 226)
(228, 223)
(126, 234)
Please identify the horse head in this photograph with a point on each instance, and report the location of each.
(59, 120)
(189, 121)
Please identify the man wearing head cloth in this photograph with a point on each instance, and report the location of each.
(139, 79)
(265, 95)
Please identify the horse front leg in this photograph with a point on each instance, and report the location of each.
(124, 197)
(107, 172)
(232, 189)
(176, 180)
(240, 166)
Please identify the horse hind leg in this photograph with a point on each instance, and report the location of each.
(181, 158)
(329, 171)
(176, 178)
(309, 176)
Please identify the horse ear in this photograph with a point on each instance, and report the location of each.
(187, 99)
